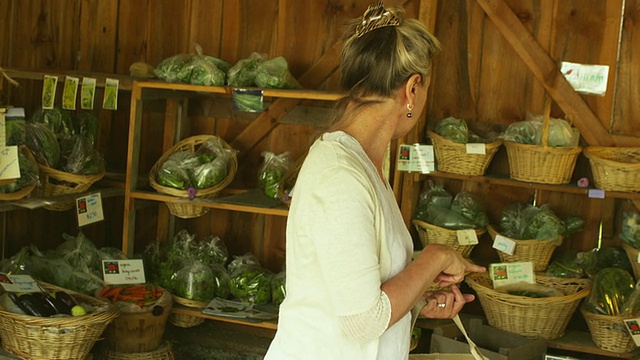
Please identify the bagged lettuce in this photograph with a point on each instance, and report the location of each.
(271, 172)
(274, 74)
(243, 73)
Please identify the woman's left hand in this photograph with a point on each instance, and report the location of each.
(445, 304)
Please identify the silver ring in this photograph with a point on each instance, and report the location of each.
(442, 305)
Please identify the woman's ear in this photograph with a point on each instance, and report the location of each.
(411, 86)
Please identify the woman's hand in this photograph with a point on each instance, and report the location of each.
(445, 304)
(456, 266)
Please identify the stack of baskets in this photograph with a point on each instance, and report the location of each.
(431, 234)
(532, 317)
(452, 157)
(182, 207)
(185, 320)
(615, 169)
(539, 252)
(59, 338)
(608, 332)
(25, 191)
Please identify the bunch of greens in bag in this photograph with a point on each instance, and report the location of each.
(592, 262)
(529, 131)
(28, 175)
(274, 74)
(212, 250)
(220, 281)
(456, 130)
(527, 222)
(43, 143)
(248, 281)
(464, 211)
(196, 69)
(272, 171)
(611, 289)
(278, 288)
(630, 232)
(243, 73)
(195, 281)
(565, 265)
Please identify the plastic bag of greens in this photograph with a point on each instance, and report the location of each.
(80, 157)
(631, 308)
(220, 281)
(610, 290)
(250, 284)
(436, 195)
(592, 262)
(111, 253)
(202, 70)
(630, 232)
(561, 133)
(212, 250)
(469, 206)
(453, 129)
(523, 132)
(512, 221)
(542, 224)
(28, 175)
(278, 288)
(209, 174)
(447, 218)
(80, 252)
(275, 74)
(58, 120)
(169, 68)
(195, 281)
(572, 225)
(86, 124)
(272, 171)
(243, 73)
(43, 144)
(16, 264)
(565, 266)
(174, 172)
(247, 259)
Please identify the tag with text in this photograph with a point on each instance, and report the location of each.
(476, 148)
(416, 157)
(467, 237)
(18, 283)
(119, 272)
(110, 100)
(504, 244)
(633, 325)
(510, 273)
(9, 165)
(89, 209)
(586, 79)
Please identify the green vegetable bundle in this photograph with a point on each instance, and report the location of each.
(611, 289)
(464, 211)
(272, 171)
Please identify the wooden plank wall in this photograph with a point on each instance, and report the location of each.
(478, 77)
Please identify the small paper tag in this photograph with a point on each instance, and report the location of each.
(249, 100)
(110, 101)
(467, 237)
(117, 272)
(87, 93)
(69, 92)
(510, 273)
(9, 165)
(633, 325)
(416, 157)
(596, 194)
(504, 244)
(476, 148)
(18, 283)
(49, 86)
(586, 79)
(89, 209)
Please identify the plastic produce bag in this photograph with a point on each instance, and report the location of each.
(243, 73)
(447, 218)
(195, 281)
(169, 68)
(212, 250)
(59, 121)
(453, 129)
(275, 74)
(630, 232)
(436, 195)
(529, 131)
(250, 284)
(43, 144)
(611, 289)
(271, 172)
(214, 163)
(80, 157)
(80, 252)
(565, 266)
(174, 172)
(278, 288)
(469, 206)
(247, 259)
(220, 281)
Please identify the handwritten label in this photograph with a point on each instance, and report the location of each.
(69, 93)
(130, 271)
(596, 194)
(9, 165)
(504, 244)
(87, 93)
(89, 209)
(586, 79)
(467, 237)
(476, 148)
(509, 273)
(416, 157)
(18, 283)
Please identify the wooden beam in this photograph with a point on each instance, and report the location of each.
(547, 72)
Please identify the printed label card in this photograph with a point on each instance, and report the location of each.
(509, 273)
(110, 101)
(416, 158)
(467, 237)
(18, 283)
(633, 325)
(476, 148)
(89, 209)
(87, 93)
(248, 100)
(586, 79)
(504, 244)
(49, 86)
(70, 92)
(120, 272)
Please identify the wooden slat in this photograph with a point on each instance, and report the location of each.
(546, 71)
(627, 112)
(97, 36)
(205, 25)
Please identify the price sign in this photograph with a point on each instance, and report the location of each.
(467, 237)
(476, 148)
(118, 272)
(510, 273)
(89, 209)
(18, 283)
(504, 244)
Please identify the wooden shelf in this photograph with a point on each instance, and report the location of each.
(580, 341)
(124, 82)
(36, 202)
(178, 309)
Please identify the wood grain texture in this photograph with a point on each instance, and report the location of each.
(627, 88)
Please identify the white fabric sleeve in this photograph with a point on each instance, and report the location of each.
(369, 325)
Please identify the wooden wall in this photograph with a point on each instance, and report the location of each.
(480, 76)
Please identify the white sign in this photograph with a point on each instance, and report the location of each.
(89, 209)
(118, 272)
(596, 194)
(18, 283)
(476, 148)
(9, 165)
(504, 244)
(586, 79)
(467, 237)
(633, 325)
(510, 273)
(416, 157)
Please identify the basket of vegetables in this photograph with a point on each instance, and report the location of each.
(54, 324)
(612, 298)
(450, 138)
(144, 310)
(539, 252)
(24, 185)
(542, 151)
(64, 146)
(615, 168)
(197, 167)
(532, 314)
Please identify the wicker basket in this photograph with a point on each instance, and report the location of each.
(163, 352)
(184, 320)
(531, 317)
(431, 234)
(539, 252)
(632, 254)
(56, 182)
(182, 207)
(59, 338)
(615, 169)
(608, 332)
(25, 191)
(453, 158)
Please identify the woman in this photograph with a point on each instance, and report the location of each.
(351, 283)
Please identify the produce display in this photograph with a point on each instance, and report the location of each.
(529, 131)
(457, 130)
(272, 171)
(43, 304)
(610, 291)
(142, 295)
(528, 222)
(464, 211)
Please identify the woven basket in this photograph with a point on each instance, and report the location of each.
(25, 191)
(531, 317)
(184, 320)
(453, 158)
(615, 169)
(539, 252)
(56, 182)
(431, 234)
(608, 332)
(59, 338)
(632, 254)
(181, 207)
(163, 352)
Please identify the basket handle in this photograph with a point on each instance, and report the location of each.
(546, 123)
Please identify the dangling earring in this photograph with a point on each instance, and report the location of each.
(409, 107)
